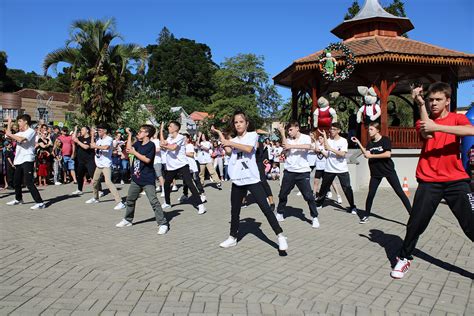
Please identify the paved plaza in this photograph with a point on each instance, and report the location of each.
(71, 259)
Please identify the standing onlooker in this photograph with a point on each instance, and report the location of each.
(103, 162)
(10, 166)
(68, 152)
(217, 155)
(43, 157)
(158, 164)
(85, 157)
(57, 162)
(352, 128)
(24, 161)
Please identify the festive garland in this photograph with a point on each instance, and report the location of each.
(350, 62)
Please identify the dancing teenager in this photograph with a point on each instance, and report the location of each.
(205, 160)
(143, 177)
(85, 157)
(244, 174)
(177, 163)
(103, 162)
(193, 168)
(24, 160)
(379, 151)
(336, 166)
(440, 173)
(297, 170)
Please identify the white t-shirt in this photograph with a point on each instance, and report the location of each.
(25, 151)
(176, 159)
(226, 159)
(312, 155)
(297, 159)
(242, 167)
(103, 157)
(336, 164)
(320, 159)
(157, 154)
(204, 157)
(191, 161)
(275, 170)
(276, 153)
(270, 152)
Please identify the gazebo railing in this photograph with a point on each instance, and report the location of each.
(404, 137)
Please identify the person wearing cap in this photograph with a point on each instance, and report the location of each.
(103, 161)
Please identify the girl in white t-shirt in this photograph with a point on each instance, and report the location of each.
(190, 153)
(205, 160)
(245, 177)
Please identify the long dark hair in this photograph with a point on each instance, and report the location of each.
(246, 118)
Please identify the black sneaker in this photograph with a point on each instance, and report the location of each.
(364, 220)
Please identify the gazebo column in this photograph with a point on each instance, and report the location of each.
(314, 102)
(452, 81)
(294, 104)
(383, 90)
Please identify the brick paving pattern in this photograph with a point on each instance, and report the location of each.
(70, 259)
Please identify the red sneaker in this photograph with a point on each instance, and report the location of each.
(400, 268)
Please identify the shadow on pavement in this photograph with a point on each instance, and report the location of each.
(393, 243)
(169, 217)
(296, 212)
(250, 226)
(60, 198)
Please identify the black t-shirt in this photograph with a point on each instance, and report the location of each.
(84, 155)
(144, 173)
(380, 167)
(9, 154)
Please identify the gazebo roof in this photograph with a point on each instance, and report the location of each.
(372, 11)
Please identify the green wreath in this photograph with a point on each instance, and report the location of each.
(350, 63)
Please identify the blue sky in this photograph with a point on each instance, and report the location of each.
(280, 30)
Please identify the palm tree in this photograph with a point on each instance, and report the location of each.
(99, 69)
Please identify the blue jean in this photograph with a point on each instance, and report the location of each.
(125, 166)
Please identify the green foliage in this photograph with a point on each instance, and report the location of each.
(7, 84)
(181, 69)
(352, 10)
(98, 68)
(62, 82)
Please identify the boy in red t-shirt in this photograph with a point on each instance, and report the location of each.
(439, 173)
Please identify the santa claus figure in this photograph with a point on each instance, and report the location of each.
(370, 111)
(324, 115)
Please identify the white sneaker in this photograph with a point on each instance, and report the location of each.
(298, 194)
(201, 209)
(354, 211)
(165, 205)
(229, 242)
(174, 188)
(158, 189)
(162, 193)
(14, 202)
(315, 222)
(183, 198)
(400, 268)
(38, 206)
(279, 217)
(203, 198)
(329, 195)
(119, 206)
(162, 229)
(57, 183)
(121, 182)
(101, 194)
(77, 192)
(339, 199)
(142, 193)
(93, 200)
(124, 223)
(282, 243)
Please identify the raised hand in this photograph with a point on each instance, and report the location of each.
(417, 95)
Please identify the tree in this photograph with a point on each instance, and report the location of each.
(6, 82)
(181, 70)
(397, 8)
(99, 68)
(352, 10)
(62, 82)
(242, 83)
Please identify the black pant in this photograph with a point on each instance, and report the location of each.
(301, 180)
(345, 181)
(197, 183)
(81, 169)
(187, 180)
(394, 183)
(427, 198)
(263, 179)
(237, 194)
(25, 171)
(10, 175)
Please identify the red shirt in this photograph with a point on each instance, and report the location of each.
(67, 144)
(440, 159)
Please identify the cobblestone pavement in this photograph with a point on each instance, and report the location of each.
(71, 259)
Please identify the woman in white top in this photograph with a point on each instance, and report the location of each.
(205, 160)
(193, 168)
(245, 177)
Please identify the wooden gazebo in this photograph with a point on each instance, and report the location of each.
(385, 60)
